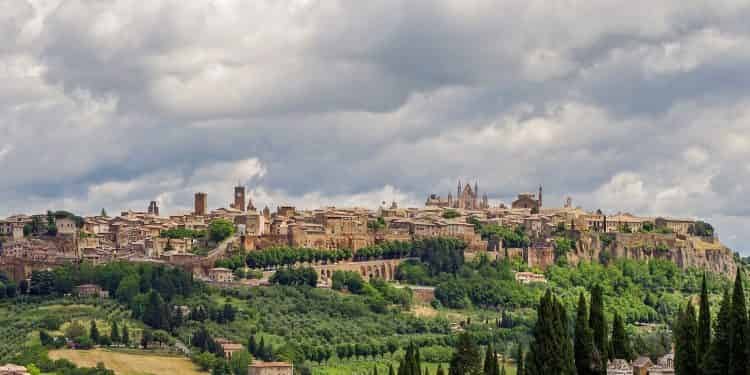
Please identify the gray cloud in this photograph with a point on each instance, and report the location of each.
(636, 106)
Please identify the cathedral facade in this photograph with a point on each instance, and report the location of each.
(466, 198)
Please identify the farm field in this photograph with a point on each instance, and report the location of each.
(129, 363)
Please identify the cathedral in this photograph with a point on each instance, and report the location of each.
(466, 198)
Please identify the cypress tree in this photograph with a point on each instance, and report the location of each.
(466, 359)
(489, 368)
(114, 332)
(519, 360)
(598, 323)
(410, 364)
(584, 340)
(686, 338)
(717, 358)
(551, 350)
(94, 332)
(620, 342)
(738, 329)
(125, 335)
(704, 324)
(252, 346)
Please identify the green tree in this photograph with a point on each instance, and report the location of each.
(114, 332)
(466, 359)
(491, 366)
(220, 229)
(686, 337)
(520, 365)
(584, 340)
(620, 343)
(439, 370)
(551, 350)
(598, 323)
(74, 330)
(738, 329)
(94, 332)
(704, 323)
(125, 335)
(239, 362)
(717, 358)
(156, 313)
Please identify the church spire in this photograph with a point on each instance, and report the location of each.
(540, 196)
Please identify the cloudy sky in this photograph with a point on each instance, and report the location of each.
(635, 106)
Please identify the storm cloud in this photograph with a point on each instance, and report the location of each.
(625, 106)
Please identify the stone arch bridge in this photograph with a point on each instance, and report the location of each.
(384, 269)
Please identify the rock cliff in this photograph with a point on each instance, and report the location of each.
(685, 251)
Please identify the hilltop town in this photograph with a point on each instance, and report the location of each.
(525, 229)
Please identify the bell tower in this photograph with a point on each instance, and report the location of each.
(540, 197)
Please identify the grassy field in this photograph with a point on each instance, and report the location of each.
(129, 363)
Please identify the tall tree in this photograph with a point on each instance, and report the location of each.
(551, 351)
(598, 323)
(738, 329)
(125, 335)
(686, 337)
(491, 366)
(94, 332)
(717, 359)
(620, 343)
(466, 359)
(704, 324)
(114, 332)
(519, 360)
(411, 363)
(584, 340)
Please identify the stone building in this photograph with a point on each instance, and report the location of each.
(220, 275)
(270, 368)
(65, 225)
(679, 226)
(529, 201)
(201, 204)
(11, 369)
(467, 198)
(239, 198)
(153, 208)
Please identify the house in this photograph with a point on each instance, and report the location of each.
(229, 347)
(641, 365)
(530, 277)
(664, 366)
(11, 369)
(220, 275)
(270, 368)
(90, 290)
(65, 225)
(619, 367)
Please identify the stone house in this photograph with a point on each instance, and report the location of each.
(90, 290)
(270, 368)
(220, 275)
(11, 369)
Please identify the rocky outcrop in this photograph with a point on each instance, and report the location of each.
(685, 251)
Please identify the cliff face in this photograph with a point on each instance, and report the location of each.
(685, 251)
